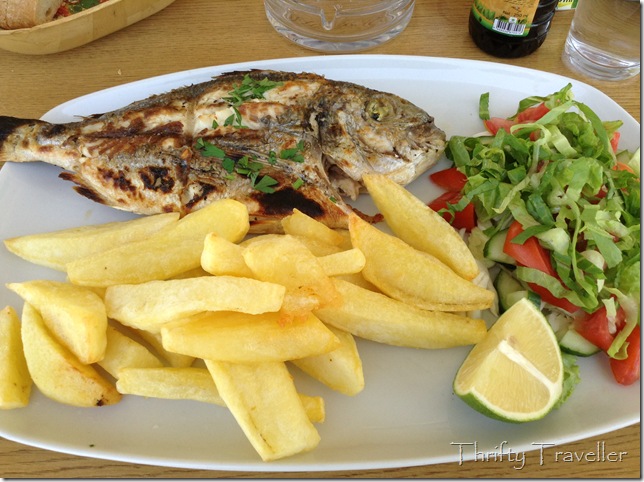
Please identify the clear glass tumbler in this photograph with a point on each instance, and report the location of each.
(604, 39)
(339, 25)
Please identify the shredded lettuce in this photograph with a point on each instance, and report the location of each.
(556, 176)
(571, 378)
(561, 179)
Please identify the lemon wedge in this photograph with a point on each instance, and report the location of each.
(515, 373)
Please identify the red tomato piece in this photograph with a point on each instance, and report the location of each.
(620, 166)
(450, 179)
(627, 371)
(532, 114)
(495, 124)
(614, 141)
(532, 255)
(465, 219)
(594, 327)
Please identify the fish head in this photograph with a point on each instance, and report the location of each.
(373, 131)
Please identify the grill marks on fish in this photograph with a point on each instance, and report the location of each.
(144, 158)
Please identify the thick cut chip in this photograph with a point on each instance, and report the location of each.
(223, 257)
(516, 373)
(191, 383)
(377, 317)
(263, 400)
(300, 224)
(57, 372)
(413, 276)
(188, 383)
(176, 360)
(75, 315)
(350, 261)
(340, 369)
(165, 254)
(148, 306)
(419, 226)
(244, 338)
(124, 352)
(15, 380)
(286, 261)
(316, 246)
(58, 248)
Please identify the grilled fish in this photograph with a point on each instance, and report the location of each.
(272, 140)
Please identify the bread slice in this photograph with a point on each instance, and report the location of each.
(27, 13)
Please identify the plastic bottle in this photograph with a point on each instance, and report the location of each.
(510, 28)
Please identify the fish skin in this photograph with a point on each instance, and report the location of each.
(143, 157)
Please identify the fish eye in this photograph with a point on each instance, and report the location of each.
(378, 110)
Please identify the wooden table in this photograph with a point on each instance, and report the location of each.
(197, 33)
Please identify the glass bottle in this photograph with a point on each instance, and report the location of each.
(510, 28)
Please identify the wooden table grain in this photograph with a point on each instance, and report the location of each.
(197, 33)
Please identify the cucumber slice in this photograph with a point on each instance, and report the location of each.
(575, 344)
(493, 249)
(510, 291)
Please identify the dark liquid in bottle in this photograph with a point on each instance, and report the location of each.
(508, 46)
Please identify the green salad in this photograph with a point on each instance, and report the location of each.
(552, 202)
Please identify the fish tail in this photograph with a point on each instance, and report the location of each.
(27, 140)
(11, 132)
(9, 125)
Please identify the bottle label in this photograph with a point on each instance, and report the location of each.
(508, 17)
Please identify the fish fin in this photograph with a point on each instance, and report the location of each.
(81, 188)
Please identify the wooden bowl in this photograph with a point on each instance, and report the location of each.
(80, 28)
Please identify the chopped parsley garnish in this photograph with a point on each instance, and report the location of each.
(250, 167)
(247, 90)
(250, 89)
(294, 154)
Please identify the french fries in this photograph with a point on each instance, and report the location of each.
(244, 338)
(56, 249)
(191, 383)
(56, 372)
(124, 352)
(149, 305)
(175, 295)
(300, 224)
(287, 261)
(340, 369)
(164, 254)
(377, 317)
(413, 276)
(75, 315)
(15, 380)
(265, 403)
(419, 226)
(187, 383)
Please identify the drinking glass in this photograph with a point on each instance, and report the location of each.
(339, 25)
(604, 39)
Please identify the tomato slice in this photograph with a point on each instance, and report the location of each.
(627, 371)
(495, 124)
(450, 179)
(532, 255)
(463, 219)
(532, 114)
(614, 141)
(594, 327)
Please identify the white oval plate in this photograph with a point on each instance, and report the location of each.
(407, 414)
